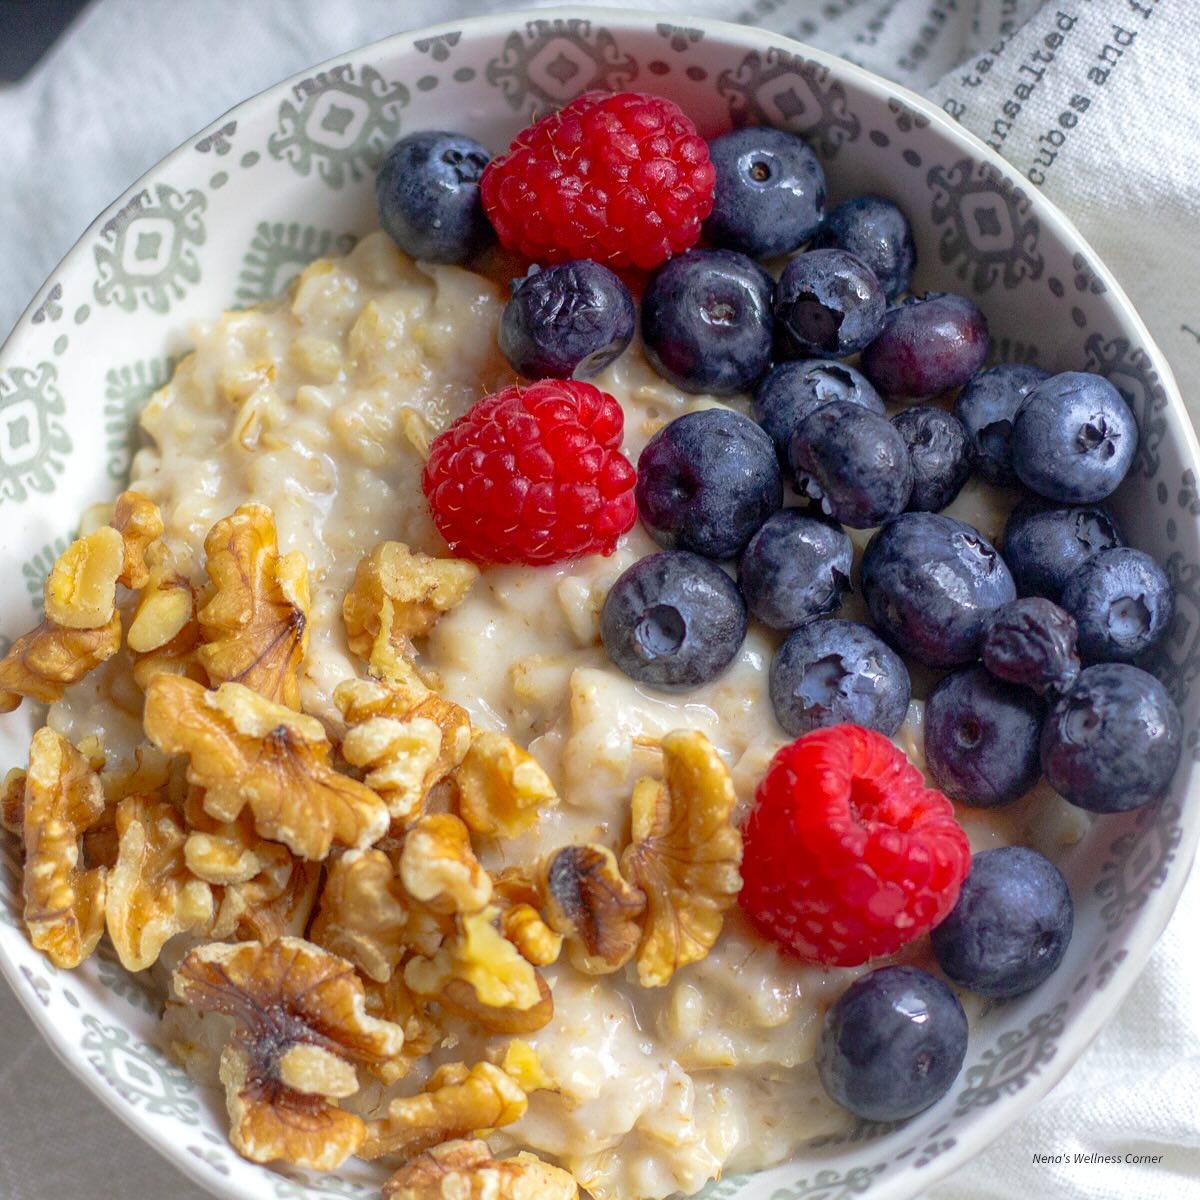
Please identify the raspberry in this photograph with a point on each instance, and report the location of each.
(622, 179)
(533, 475)
(848, 854)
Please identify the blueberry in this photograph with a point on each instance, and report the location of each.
(569, 320)
(879, 233)
(1045, 545)
(927, 347)
(986, 407)
(1112, 742)
(795, 568)
(892, 1043)
(1011, 926)
(1122, 601)
(792, 390)
(854, 462)
(707, 481)
(828, 304)
(981, 738)
(1073, 438)
(427, 191)
(706, 321)
(769, 195)
(929, 581)
(1031, 641)
(835, 672)
(937, 449)
(673, 620)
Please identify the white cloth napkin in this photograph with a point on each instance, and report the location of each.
(134, 78)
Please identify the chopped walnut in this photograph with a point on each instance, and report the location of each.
(151, 894)
(591, 903)
(362, 914)
(166, 606)
(246, 750)
(221, 852)
(64, 903)
(397, 757)
(81, 589)
(439, 868)
(138, 521)
(394, 1002)
(275, 903)
(456, 1101)
(44, 662)
(148, 771)
(12, 801)
(519, 899)
(255, 626)
(301, 1027)
(398, 595)
(466, 1170)
(460, 998)
(501, 788)
(523, 1063)
(685, 855)
(361, 701)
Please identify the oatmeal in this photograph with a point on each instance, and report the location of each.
(284, 456)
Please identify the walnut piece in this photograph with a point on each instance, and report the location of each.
(362, 914)
(64, 903)
(398, 595)
(439, 868)
(466, 1170)
(12, 801)
(255, 626)
(519, 899)
(685, 855)
(300, 1029)
(137, 519)
(456, 1101)
(166, 606)
(591, 903)
(151, 893)
(81, 590)
(43, 663)
(501, 788)
(221, 852)
(397, 756)
(393, 1001)
(275, 903)
(245, 750)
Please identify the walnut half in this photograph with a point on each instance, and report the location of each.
(591, 904)
(43, 663)
(466, 1170)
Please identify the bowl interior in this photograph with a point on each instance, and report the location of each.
(288, 176)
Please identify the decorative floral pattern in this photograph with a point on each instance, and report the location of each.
(554, 60)
(138, 1072)
(219, 141)
(1018, 1056)
(278, 252)
(50, 309)
(1138, 862)
(342, 121)
(126, 390)
(1129, 370)
(33, 441)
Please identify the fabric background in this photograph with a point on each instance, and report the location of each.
(1093, 100)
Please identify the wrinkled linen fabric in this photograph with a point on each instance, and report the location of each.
(131, 79)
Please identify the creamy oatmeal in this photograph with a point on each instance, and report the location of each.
(320, 406)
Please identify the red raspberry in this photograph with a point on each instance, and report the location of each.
(848, 854)
(620, 178)
(533, 475)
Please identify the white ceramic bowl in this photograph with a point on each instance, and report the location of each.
(230, 215)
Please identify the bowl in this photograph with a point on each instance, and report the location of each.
(232, 214)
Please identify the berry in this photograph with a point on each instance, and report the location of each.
(828, 304)
(1011, 926)
(569, 320)
(1031, 641)
(987, 407)
(848, 854)
(706, 321)
(981, 738)
(929, 581)
(937, 449)
(892, 1043)
(837, 672)
(673, 620)
(854, 462)
(769, 195)
(795, 568)
(532, 475)
(1113, 741)
(707, 481)
(1045, 545)
(879, 233)
(927, 347)
(1073, 438)
(1122, 601)
(622, 178)
(427, 192)
(791, 391)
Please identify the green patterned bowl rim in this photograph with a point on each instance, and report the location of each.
(1119, 972)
